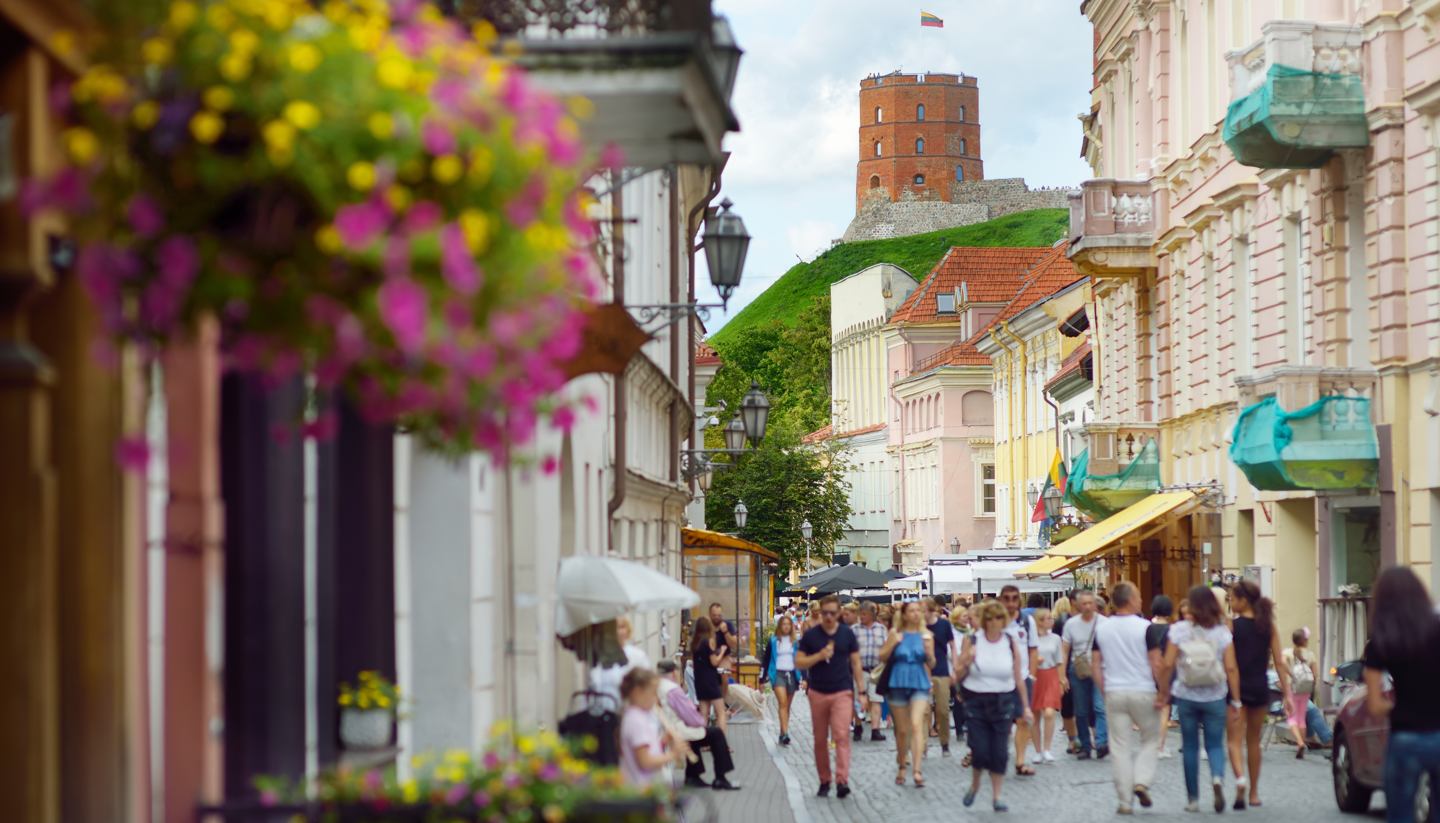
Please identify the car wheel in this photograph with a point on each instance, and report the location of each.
(1351, 795)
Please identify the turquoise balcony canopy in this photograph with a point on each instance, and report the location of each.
(1329, 444)
(1101, 495)
(1297, 119)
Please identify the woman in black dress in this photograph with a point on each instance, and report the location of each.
(707, 656)
(1257, 644)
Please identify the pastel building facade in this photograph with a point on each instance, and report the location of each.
(1284, 257)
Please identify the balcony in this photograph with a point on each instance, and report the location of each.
(1297, 95)
(1120, 467)
(1307, 428)
(1112, 227)
(660, 72)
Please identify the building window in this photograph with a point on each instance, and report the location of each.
(962, 114)
(987, 488)
(962, 147)
(960, 174)
(919, 145)
(878, 151)
(919, 179)
(920, 112)
(879, 115)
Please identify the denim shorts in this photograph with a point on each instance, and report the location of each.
(903, 697)
(1016, 705)
(787, 681)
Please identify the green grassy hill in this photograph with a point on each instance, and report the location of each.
(797, 288)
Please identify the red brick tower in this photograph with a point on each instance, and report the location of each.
(919, 133)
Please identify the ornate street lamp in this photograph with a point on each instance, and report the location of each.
(954, 545)
(735, 434)
(806, 530)
(1054, 499)
(742, 515)
(726, 59)
(706, 475)
(726, 243)
(755, 410)
(1032, 494)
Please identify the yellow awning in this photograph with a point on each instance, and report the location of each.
(1094, 542)
(704, 539)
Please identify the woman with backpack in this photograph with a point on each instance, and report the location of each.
(1304, 669)
(1201, 657)
(1257, 645)
(1405, 641)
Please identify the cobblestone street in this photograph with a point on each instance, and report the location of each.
(1069, 791)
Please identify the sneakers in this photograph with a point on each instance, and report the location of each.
(875, 735)
(1124, 808)
(1193, 806)
(1101, 752)
(1165, 754)
(824, 790)
(969, 799)
(1048, 758)
(1143, 795)
(1219, 788)
(842, 790)
(1036, 759)
(784, 739)
(859, 733)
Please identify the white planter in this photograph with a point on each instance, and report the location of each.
(365, 728)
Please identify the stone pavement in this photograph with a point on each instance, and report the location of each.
(758, 771)
(1067, 792)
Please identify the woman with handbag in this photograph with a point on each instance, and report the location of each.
(989, 668)
(1304, 674)
(909, 657)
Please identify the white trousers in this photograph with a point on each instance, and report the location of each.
(1134, 740)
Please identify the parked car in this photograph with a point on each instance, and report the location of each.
(1358, 764)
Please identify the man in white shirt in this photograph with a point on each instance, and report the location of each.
(1126, 667)
(1027, 638)
(1077, 675)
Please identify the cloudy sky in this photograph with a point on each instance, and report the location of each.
(792, 169)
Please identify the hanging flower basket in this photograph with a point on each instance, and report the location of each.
(360, 191)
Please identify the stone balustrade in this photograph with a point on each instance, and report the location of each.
(1113, 445)
(1328, 48)
(1295, 387)
(1112, 227)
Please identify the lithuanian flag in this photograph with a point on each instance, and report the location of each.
(1056, 478)
(931, 20)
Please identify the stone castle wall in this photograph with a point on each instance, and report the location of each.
(971, 202)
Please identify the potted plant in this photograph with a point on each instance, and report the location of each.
(367, 711)
(364, 192)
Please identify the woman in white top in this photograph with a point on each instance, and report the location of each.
(780, 671)
(1201, 650)
(989, 670)
(607, 679)
(1048, 692)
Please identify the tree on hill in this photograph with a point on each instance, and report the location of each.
(790, 364)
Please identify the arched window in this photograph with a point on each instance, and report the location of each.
(960, 174)
(874, 181)
(919, 145)
(962, 114)
(962, 146)
(920, 112)
(919, 179)
(878, 151)
(879, 115)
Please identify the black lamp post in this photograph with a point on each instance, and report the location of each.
(726, 243)
(735, 434)
(755, 411)
(1054, 500)
(1032, 494)
(742, 516)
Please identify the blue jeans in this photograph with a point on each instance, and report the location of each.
(1089, 703)
(1193, 715)
(988, 718)
(1315, 725)
(1408, 755)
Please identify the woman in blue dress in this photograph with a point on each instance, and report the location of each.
(909, 653)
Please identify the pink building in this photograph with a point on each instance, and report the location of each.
(1261, 235)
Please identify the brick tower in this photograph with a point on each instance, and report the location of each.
(918, 133)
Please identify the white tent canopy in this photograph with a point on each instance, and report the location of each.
(596, 589)
(983, 576)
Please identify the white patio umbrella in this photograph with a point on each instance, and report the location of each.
(596, 589)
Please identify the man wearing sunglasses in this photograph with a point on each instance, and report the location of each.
(831, 653)
(1027, 638)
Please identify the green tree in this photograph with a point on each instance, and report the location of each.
(783, 483)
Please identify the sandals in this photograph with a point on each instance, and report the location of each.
(1022, 770)
(900, 777)
(919, 780)
(968, 761)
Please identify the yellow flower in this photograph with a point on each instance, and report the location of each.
(361, 177)
(206, 127)
(364, 700)
(327, 239)
(424, 79)
(183, 15)
(156, 51)
(303, 115)
(382, 701)
(277, 15)
(447, 168)
(235, 67)
(346, 699)
(483, 32)
(420, 761)
(381, 125)
(304, 57)
(494, 74)
(580, 107)
(482, 162)
(458, 757)
(219, 98)
(145, 114)
(220, 17)
(475, 225)
(64, 42)
(278, 134)
(543, 238)
(335, 11)
(410, 791)
(399, 199)
(367, 37)
(526, 744)
(81, 145)
(244, 41)
(395, 72)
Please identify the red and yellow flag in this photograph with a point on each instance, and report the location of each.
(1056, 478)
(931, 20)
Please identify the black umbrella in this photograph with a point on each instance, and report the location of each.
(851, 577)
(893, 574)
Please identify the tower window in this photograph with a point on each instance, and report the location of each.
(919, 145)
(920, 112)
(879, 115)
(919, 179)
(962, 114)
(878, 151)
(962, 145)
(874, 181)
(960, 174)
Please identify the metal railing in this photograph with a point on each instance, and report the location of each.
(587, 19)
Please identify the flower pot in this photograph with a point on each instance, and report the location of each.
(365, 728)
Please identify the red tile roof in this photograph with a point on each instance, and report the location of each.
(963, 353)
(820, 435)
(862, 430)
(1071, 364)
(990, 275)
(1048, 276)
(705, 355)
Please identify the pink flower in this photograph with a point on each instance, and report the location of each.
(563, 418)
(360, 223)
(449, 95)
(323, 427)
(70, 191)
(436, 138)
(133, 454)
(456, 794)
(590, 403)
(522, 210)
(458, 316)
(397, 257)
(404, 308)
(178, 260)
(548, 467)
(492, 762)
(507, 327)
(480, 798)
(423, 216)
(480, 363)
(144, 216)
(268, 797)
(456, 263)
(565, 342)
(612, 157)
